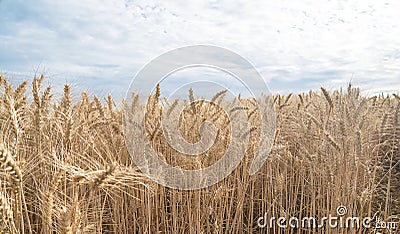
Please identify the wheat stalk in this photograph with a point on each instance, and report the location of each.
(6, 215)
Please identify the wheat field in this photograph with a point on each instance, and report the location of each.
(65, 167)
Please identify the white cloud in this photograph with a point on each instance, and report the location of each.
(295, 44)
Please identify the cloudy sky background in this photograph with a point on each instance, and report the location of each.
(296, 45)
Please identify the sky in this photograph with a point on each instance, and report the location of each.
(100, 46)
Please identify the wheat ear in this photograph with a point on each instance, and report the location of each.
(11, 167)
(327, 97)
